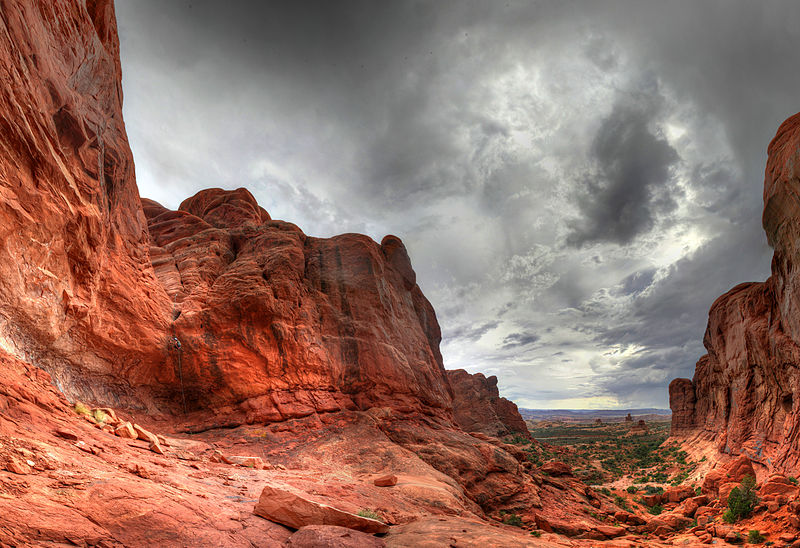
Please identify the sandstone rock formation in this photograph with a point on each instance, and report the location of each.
(744, 396)
(274, 324)
(288, 506)
(478, 407)
(77, 294)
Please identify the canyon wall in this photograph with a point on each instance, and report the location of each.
(77, 293)
(743, 399)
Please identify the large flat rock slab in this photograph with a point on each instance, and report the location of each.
(294, 508)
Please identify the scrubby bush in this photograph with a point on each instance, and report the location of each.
(755, 537)
(513, 519)
(656, 509)
(81, 409)
(369, 514)
(632, 489)
(100, 416)
(742, 500)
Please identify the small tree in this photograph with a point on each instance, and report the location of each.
(742, 499)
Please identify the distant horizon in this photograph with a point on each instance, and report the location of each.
(623, 410)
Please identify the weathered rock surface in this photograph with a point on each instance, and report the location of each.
(743, 398)
(77, 293)
(478, 407)
(274, 324)
(288, 506)
(331, 536)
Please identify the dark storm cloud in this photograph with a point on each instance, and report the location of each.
(632, 186)
(472, 129)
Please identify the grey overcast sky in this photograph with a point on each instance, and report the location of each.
(576, 182)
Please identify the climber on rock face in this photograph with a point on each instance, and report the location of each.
(176, 343)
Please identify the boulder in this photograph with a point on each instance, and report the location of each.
(291, 507)
(16, 466)
(779, 486)
(126, 430)
(679, 493)
(556, 469)
(387, 480)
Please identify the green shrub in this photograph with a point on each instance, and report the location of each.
(656, 509)
(729, 517)
(792, 479)
(513, 519)
(742, 499)
(632, 489)
(605, 491)
(755, 537)
(518, 439)
(369, 514)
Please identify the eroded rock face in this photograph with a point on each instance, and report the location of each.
(682, 402)
(478, 407)
(743, 397)
(274, 324)
(77, 293)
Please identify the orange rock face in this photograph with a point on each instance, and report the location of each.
(744, 395)
(478, 407)
(77, 293)
(274, 324)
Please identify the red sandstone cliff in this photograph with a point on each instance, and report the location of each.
(478, 407)
(743, 398)
(77, 294)
(275, 324)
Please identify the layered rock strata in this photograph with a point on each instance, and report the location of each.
(743, 398)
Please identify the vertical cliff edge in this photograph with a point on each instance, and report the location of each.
(743, 399)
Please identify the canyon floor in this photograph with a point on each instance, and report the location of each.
(70, 480)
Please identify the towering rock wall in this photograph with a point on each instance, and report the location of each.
(77, 293)
(274, 324)
(478, 407)
(744, 395)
